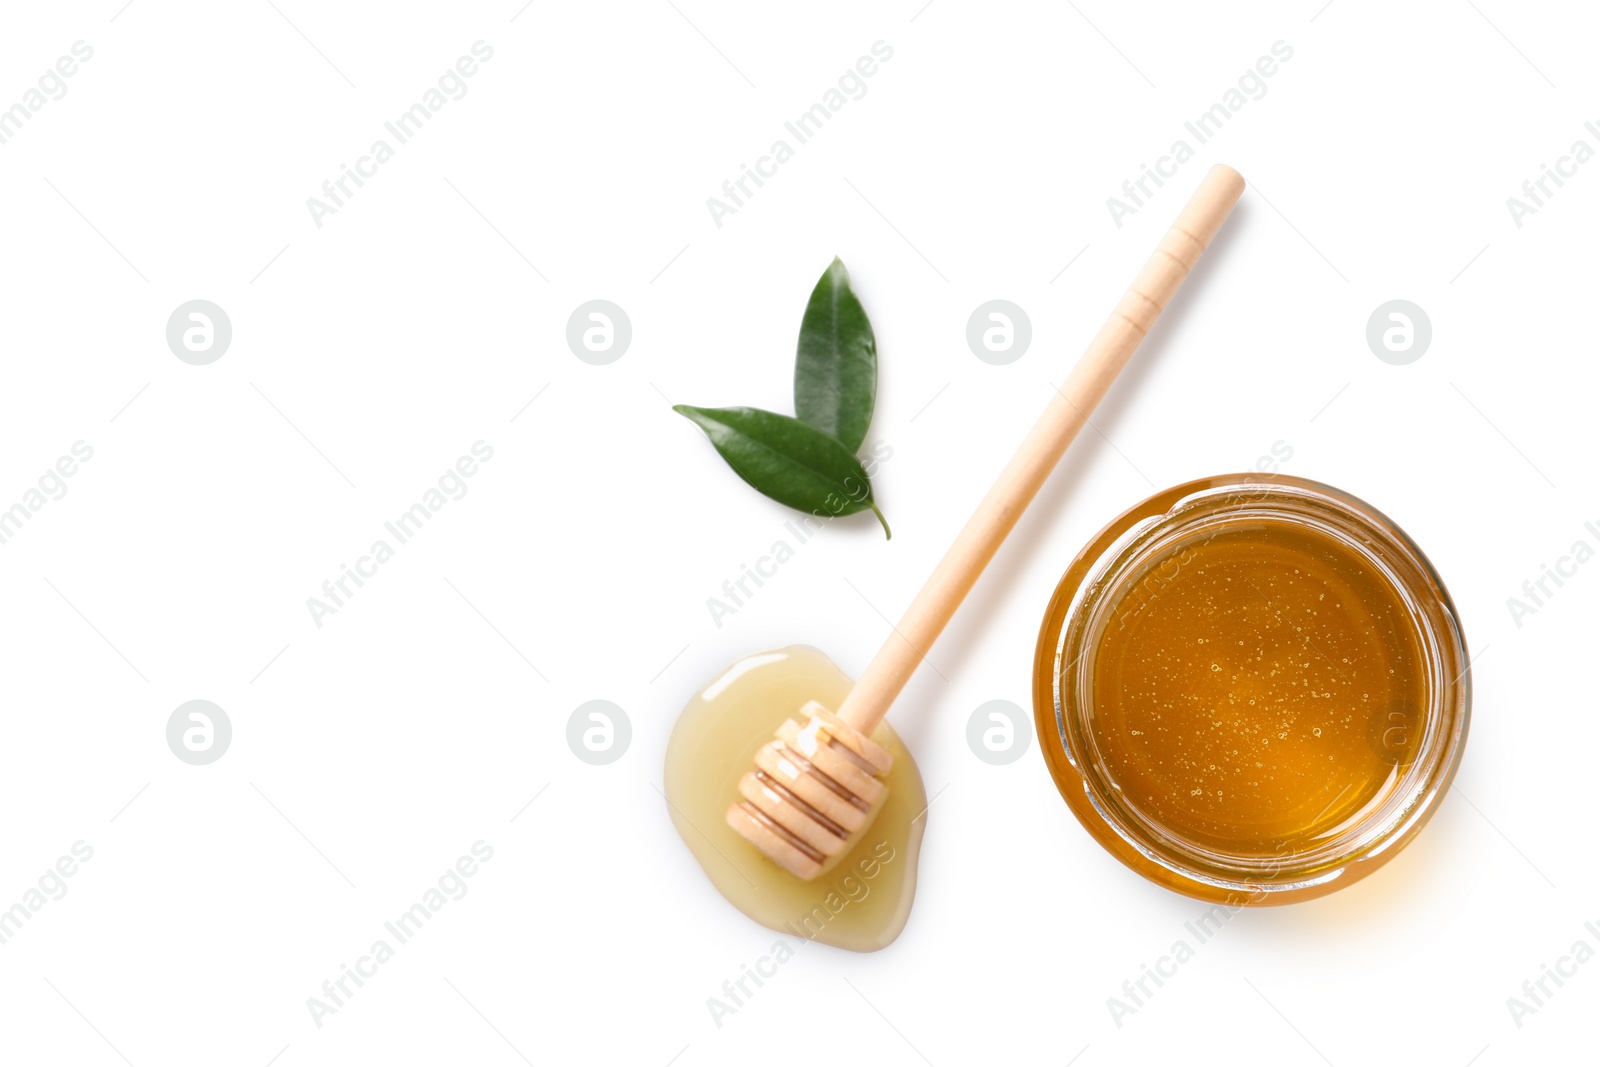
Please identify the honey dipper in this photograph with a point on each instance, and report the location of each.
(816, 786)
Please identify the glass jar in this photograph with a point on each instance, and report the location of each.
(1197, 764)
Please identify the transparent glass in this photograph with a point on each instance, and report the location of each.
(1416, 742)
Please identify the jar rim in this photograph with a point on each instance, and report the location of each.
(1095, 584)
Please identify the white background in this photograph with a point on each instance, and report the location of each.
(369, 354)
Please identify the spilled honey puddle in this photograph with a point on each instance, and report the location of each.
(862, 903)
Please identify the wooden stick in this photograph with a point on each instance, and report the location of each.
(978, 541)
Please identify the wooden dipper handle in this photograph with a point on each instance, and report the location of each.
(978, 541)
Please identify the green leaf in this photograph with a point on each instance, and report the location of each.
(836, 365)
(788, 460)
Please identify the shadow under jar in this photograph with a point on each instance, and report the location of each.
(1252, 689)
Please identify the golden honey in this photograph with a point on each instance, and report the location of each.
(1252, 689)
(1241, 706)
